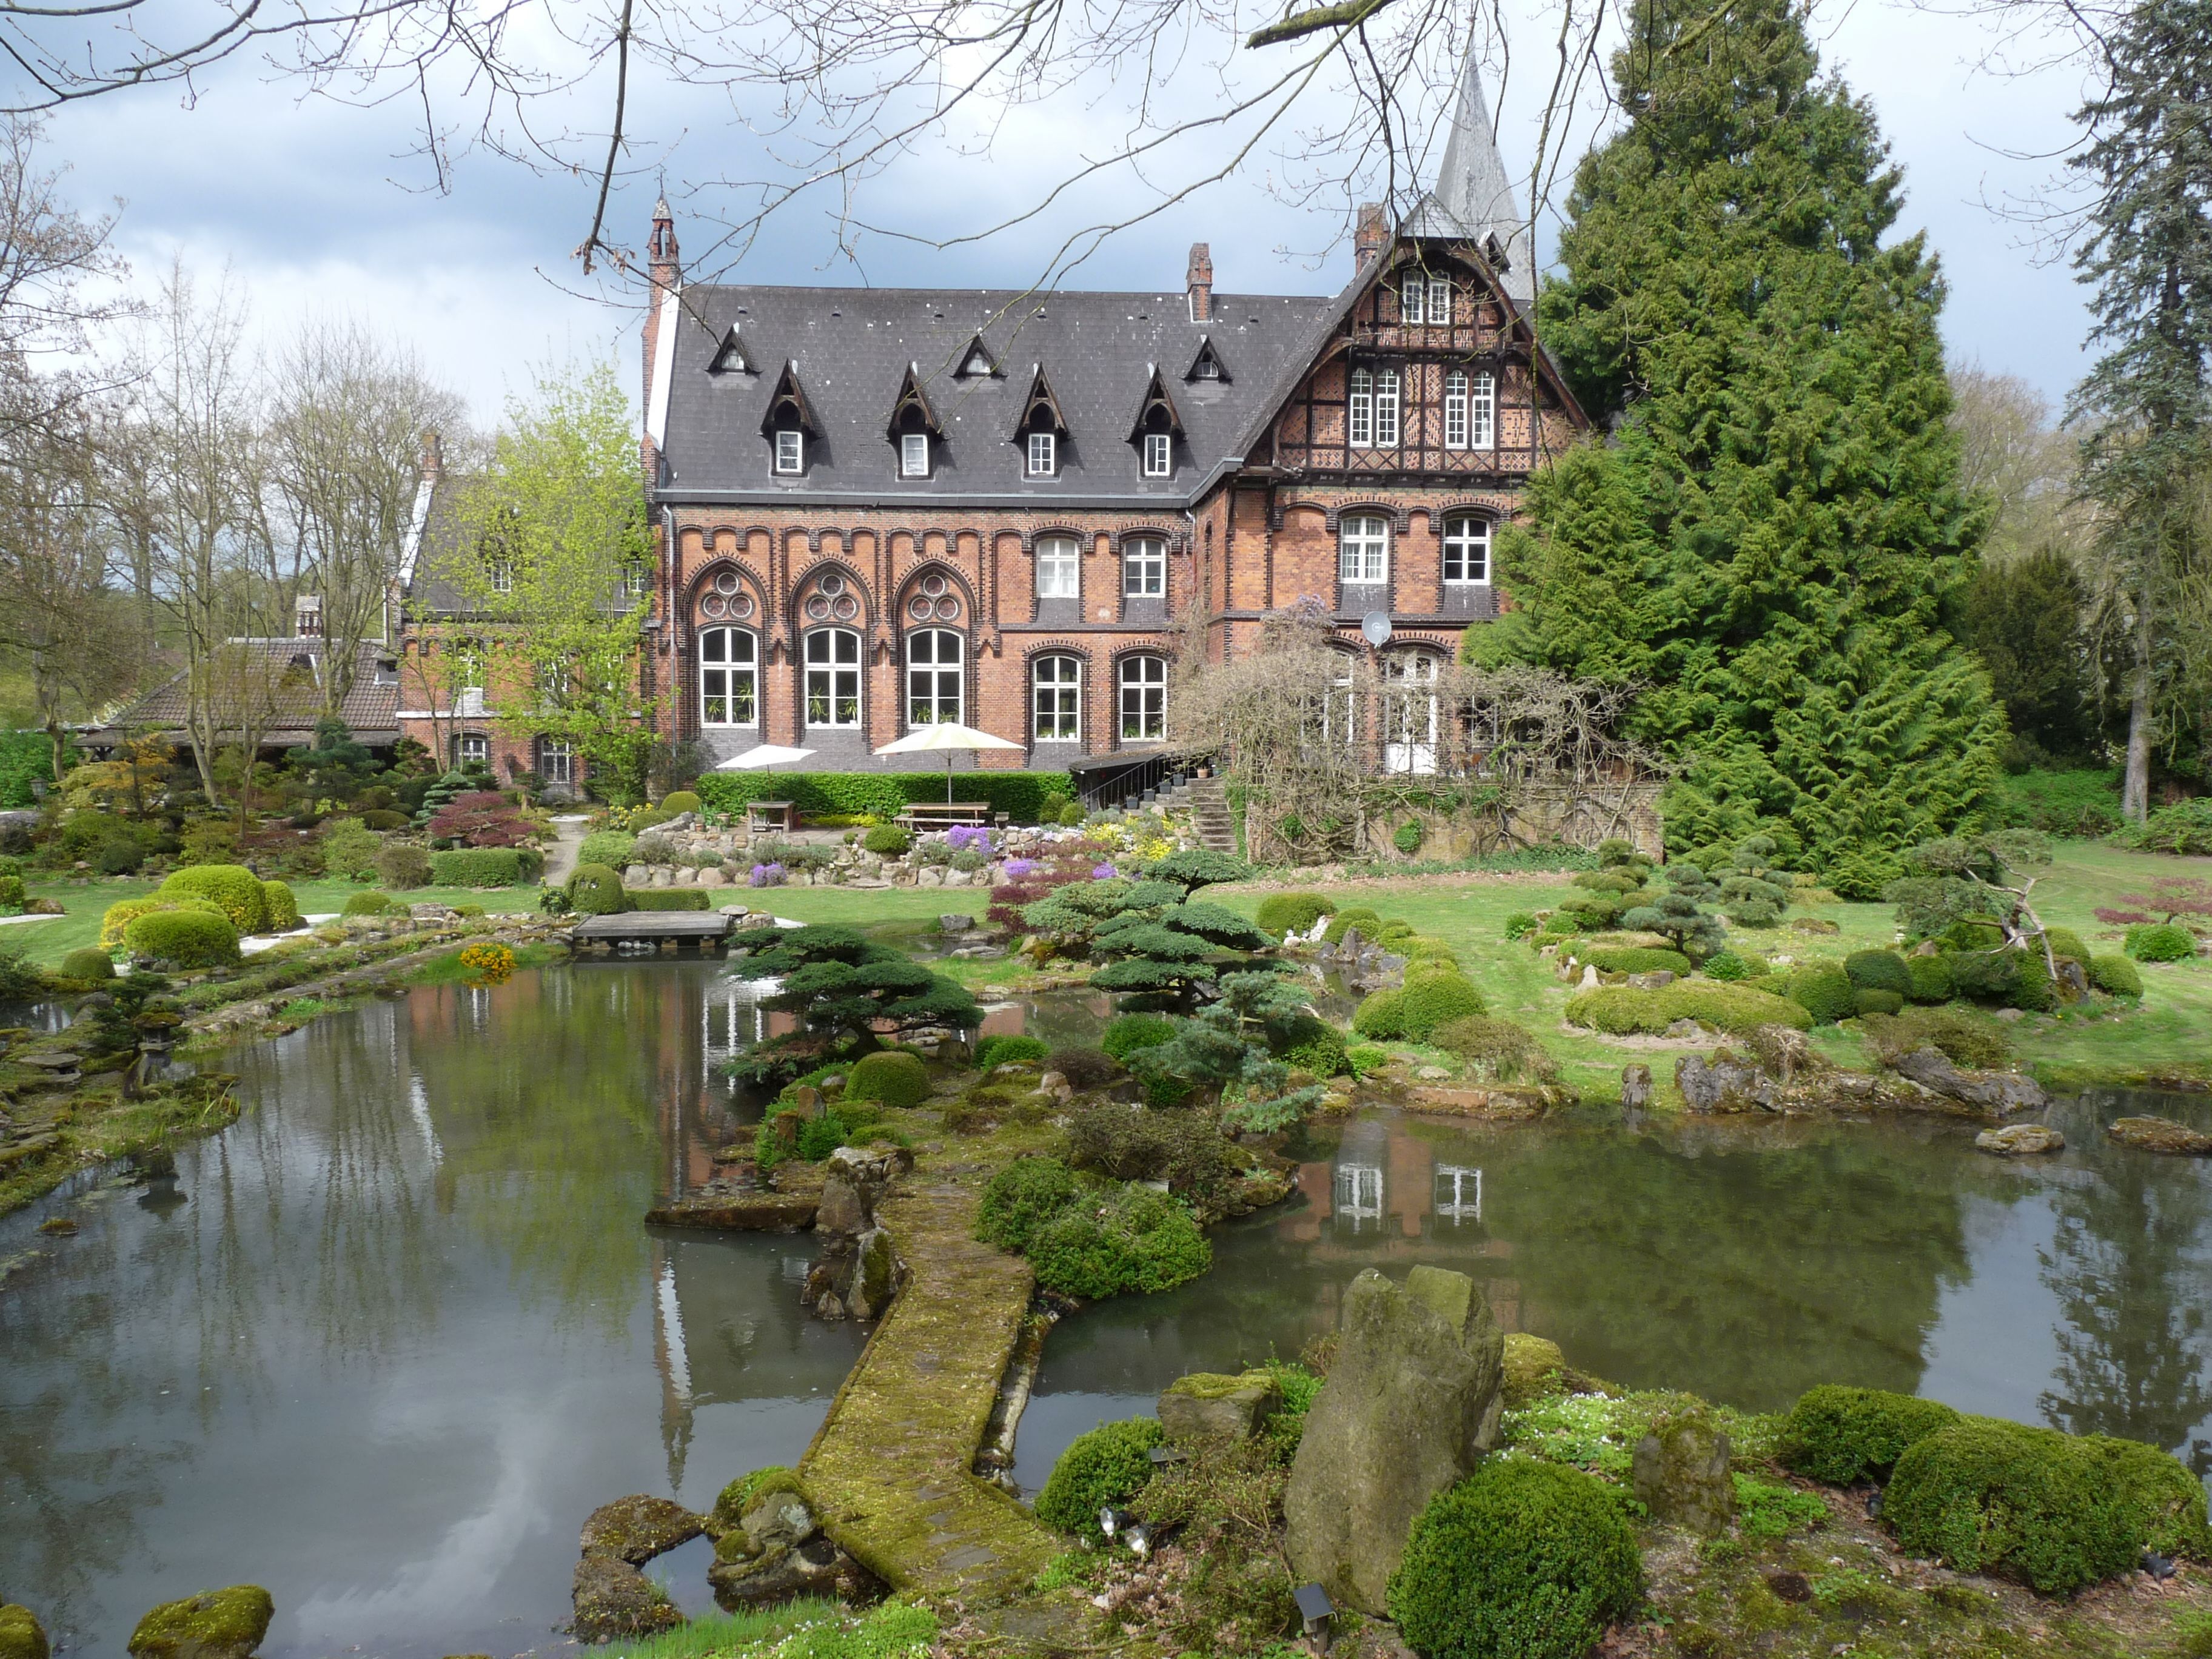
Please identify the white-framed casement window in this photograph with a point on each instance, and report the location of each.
(1360, 411)
(1056, 698)
(1386, 408)
(637, 579)
(1409, 711)
(913, 455)
(500, 572)
(1412, 299)
(1159, 455)
(1456, 409)
(1059, 568)
(1482, 411)
(1144, 568)
(1362, 550)
(1144, 688)
(556, 761)
(729, 678)
(471, 748)
(1043, 454)
(1339, 709)
(790, 449)
(1440, 301)
(934, 657)
(1466, 549)
(833, 677)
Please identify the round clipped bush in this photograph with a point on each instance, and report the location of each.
(1107, 1467)
(1842, 1435)
(1360, 916)
(2165, 1499)
(2116, 976)
(370, 903)
(1071, 816)
(1139, 1240)
(612, 848)
(183, 938)
(2065, 942)
(1316, 1047)
(596, 891)
(1023, 1197)
(232, 886)
(1381, 1016)
(1864, 1001)
(1429, 1000)
(1127, 1033)
(2030, 1503)
(887, 840)
(119, 916)
(1726, 966)
(1974, 933)
(1931, 977)
(1879, 970)
(1292, 912)
(1823, 991)
(87, 963)
(1525, 1557)
(1005, 1050)
(401, 867)
(2160, 941)
(678, 800)
(1427, 948)
(284, 909)
(895, 1078)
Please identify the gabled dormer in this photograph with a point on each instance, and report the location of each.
(788, 425)
(1157, 433)
(976, 362)
(1206, 366)
(914, 428)
(731, 357)
(1041, 429)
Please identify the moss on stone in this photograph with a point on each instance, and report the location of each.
(1219, 1385)
(1534, 1368)
(747, 1490)
(221, 1624)
(21, 1636)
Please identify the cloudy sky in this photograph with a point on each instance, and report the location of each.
(317, 208)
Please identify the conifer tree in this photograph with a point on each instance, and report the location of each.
(1770, 540)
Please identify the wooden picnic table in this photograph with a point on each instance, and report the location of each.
(771, 815)
(931, 814)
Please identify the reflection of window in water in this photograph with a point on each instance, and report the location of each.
(730, 1024)
(1459, 1192)
(1359, 1192)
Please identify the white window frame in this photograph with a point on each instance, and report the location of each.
(500, 572)
(1141, 681)
(936, 684)
(1159, 455)
(637, 579)
(1409, 711)
(790, 450)
(1043, 454)
(1360, 411)
(1482, 411)
(832, 682)
(1144, 568)
(1440, 301)
(1339, 712)
(471, 746)
(1386, 408)
(1059, 568)
(1362, 550)
(1412, 297)
(913, 455)
(729, 678)
(1056, 703)
(1455, 409)
(1466, 546)
(556, 761)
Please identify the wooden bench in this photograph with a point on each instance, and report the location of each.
(939, 815)
(770, 815)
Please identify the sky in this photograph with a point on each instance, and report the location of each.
(316, 210)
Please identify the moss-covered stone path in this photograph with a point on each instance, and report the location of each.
(891, 1468)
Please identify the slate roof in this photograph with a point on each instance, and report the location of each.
(371, 708)
(852, 348)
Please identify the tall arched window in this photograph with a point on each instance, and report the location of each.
(1409, 711)
(933, 659)
(833, 677)
(1466, 549)
(1056, 699)
(729, 678)
(1144, 691)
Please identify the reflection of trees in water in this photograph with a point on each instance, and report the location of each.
(2127, 1263)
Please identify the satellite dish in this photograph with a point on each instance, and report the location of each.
(1374, 626)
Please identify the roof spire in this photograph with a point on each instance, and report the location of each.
(1473, 188)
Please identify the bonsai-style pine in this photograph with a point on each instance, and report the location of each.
(1675, 915)
(847, 990)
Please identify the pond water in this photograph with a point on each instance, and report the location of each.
(385, 1344)
(1742, 1262)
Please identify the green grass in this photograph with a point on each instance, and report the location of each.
(704, 1636)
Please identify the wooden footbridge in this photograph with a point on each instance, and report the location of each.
(672, 929)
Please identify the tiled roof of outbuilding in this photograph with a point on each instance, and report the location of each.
(295, 670)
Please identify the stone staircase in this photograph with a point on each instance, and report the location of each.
(1209, 811)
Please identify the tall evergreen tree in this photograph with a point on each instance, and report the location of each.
(1771, 538)
(2147, 402)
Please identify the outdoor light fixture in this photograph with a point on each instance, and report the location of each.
(1111, 1520)
(2157, 1565)
(1315, 1609)
(1140, 1540)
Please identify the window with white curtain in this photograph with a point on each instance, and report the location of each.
(1363, 548)
(1059, 568)
(1056, 693)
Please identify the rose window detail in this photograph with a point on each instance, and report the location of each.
(726, 599)
(934, 600)
(832, 600)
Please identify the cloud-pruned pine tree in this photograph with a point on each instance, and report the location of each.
(1770, 538)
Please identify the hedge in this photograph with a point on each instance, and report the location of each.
(85, 962)
(2116, 976)
(1825, 992)
(1005, 1050)
(1842, 1435)
(1931, 977)
(1025, 797)
(183, 938)
(665, 898)
(2031, 1503)
(370, 903)
(2160, 941)
(1285, 913)
(120, 914)
(1625, 1011)
(233, 886)
(485, 866)
(1640, 959)
(1429, 1000)
(1879, 970)
(680, 801)
(2164, 1498)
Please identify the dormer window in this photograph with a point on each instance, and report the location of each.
(975, 360)
(913, 455)
(1206, 365)
(730, 356)
(1044, 454)
(790, 450)
(1158, 425)
(788, 423)
(1159, 455)
(1041, 428)
(914, 426)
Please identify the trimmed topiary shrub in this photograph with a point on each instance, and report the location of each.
(1360, 916)
(1425, 948)
(1500, 1049)
(402, 868)
(596, 891)
(87, 963)
(1646, 959)
(1023, 1197)
(1842, 1435)
(485, 866)
(887, 840)
(2031, 1503)
(119, 916)
(1726, 966)
(233, 887)
(1086, 1068)
(1292, 912)
(1317, 1046)
(183, 938)
(2064, 942)
(1625, 1011)
(2160, 941)
(1127, 1033)
(1381, 1016)
(2116, 976)
(2165, 1499)
(284, 909)
(1524, 1558)
(371, 903)
(1137, 1240)
(1865, 1002)
(1004, 1050)
(612, 848)
(1433, 1000)
(678, 800)
(894, 1077)
(1823, 991)
(1931, 977)
(1107, 1467)
(1879, 970)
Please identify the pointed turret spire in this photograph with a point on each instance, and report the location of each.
(1473, 195)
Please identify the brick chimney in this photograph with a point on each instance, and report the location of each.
(1198, 282)
(434, 456)
(1369, 234)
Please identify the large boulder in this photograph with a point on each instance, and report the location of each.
(2159, 1134)
(1998, 1093)
(1211, 1405)
(21, 1636)
(1682, 1474)
(2021, 1139)
(612, 1599)
(778, 1551)
(1411, 1404)
(223, 1624)
(635, 1529)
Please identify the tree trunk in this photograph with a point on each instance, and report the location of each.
(2135, 788)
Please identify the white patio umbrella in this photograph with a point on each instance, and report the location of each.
(767, 754)
(948, 737)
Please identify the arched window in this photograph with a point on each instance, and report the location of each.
(729, 678)
(1466, 548)
(833, 677)
(1056, 698)
(1143, 690)
(1059, 568)
(934, 658)
(1362, 550)
(1144, 568)
(1409, 711)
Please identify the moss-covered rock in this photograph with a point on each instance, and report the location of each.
(20, 1635)
(1218, 1406)
(1682, 1471)
(635, 1529)
(611, 1598)
(221, 1624)
(742, 1493)
(1534, 1369)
